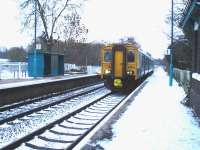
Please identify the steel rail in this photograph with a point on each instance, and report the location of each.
(32, 100)
(30, 136)
(28, 112)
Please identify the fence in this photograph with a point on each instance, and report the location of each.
(13, 70)
(183, 77)
(19, 70)
(82, 69)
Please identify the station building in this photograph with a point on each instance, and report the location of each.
(190, 25)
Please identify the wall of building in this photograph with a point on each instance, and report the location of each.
(195, 96)
(191, 28)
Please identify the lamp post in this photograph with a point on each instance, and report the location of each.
(171, 72)
(35, 22)
(35, 41)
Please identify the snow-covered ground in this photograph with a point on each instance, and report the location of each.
(19, 70)
(3, 60)
(196, 76)
(156, 120)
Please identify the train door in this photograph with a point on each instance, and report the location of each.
(118, 70)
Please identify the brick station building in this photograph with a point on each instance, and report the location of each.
(190, 24)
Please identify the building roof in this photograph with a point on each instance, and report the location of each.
(192, 11)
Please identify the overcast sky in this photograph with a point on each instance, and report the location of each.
(107, 20)
(10, 31)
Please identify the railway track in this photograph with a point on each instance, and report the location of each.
(24, 124)
(29, 101)
(68, 128)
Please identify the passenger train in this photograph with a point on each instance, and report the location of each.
(124, 65)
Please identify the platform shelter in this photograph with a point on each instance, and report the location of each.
(43, 64)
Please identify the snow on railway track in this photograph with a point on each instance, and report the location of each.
(20, 127)
(27, 107)
(66, 133)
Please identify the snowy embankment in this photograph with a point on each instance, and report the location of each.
(156, 120)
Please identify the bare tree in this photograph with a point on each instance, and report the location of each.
(17, 54)
(181, 48)
(74, 30)
(51, 14)
(131, 40)
(179, 7)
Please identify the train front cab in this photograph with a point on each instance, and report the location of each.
(119, 66)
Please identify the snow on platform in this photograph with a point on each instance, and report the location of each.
(156, 120)
(196, 76)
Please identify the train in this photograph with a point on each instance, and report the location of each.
(123, 66)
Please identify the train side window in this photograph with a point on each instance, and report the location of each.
(107, 56)
(130, 56)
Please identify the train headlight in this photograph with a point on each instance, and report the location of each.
(129, 72)
(107, 71)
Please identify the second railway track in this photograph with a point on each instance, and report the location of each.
(29, 122)
(70, 127)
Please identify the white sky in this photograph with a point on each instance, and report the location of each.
(10, 34)
(110, 20)
(107, 20)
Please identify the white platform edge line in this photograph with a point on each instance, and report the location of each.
(87, 138)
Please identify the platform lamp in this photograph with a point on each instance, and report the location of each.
(35, 41)
(171, 71)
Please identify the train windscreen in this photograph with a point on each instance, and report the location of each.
(107, 56)
(130, 56)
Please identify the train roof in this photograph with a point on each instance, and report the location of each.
(125, 44)
(131, 45)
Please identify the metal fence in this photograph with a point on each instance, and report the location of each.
(183, 77)
(19, 70)
(82, 69)
(13, 70)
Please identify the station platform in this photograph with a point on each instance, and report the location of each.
(155, 119)
(11, 83)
